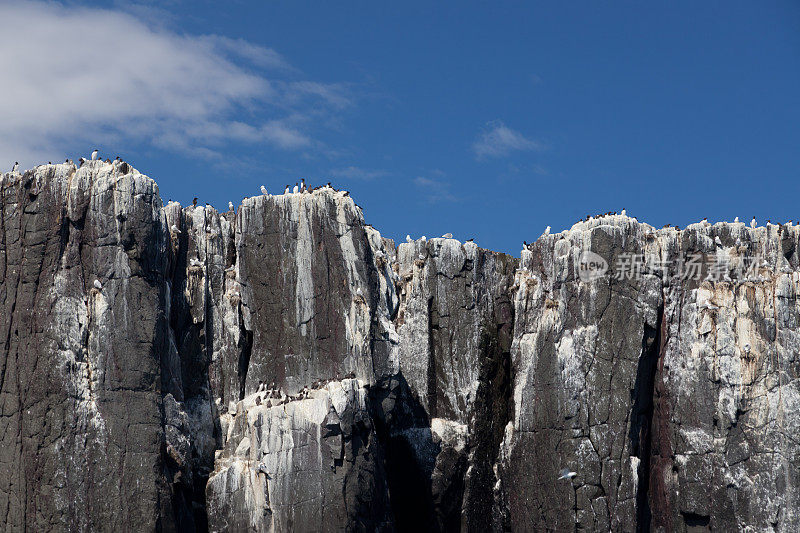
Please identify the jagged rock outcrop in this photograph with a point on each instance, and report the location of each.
(283, 367)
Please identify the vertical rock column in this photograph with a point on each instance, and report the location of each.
(80, 377)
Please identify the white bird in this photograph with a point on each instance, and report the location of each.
(287, 190)
(623, 213)
(302, 185)
(736, 220)
(195, 262)
(547, 230)
(359, 292)
(15, 167)
(567, 474)
(447, 236)
(421, 257)
(263, 190)
(98, 285)
(94, 155)
(717, 240)
(409, 239)
(230, 206)
(294, 190)
(753, 223)
(175, 229)
(423, 238)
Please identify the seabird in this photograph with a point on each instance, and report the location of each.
(567, 474)
(409, 239)
(302, 185)
(547, 230)
(230, 206)
(421, 257)
(264, 191)
(423, 238)
(94, 155)
(717, 240)
(359, 292)
(736, 220)
(98, 285)
(295, 189)
(753, 223)
(287, 190)
(81, 161)
(175, 229)
(623, 212)
(447, 236)
(194, 202)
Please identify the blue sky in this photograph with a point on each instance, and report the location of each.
(490, 120)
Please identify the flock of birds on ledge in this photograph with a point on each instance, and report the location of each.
(272, 395)
(300, 187)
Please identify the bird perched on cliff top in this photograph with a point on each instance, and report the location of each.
(567, 474)
(547, 230)
(98, 285)
(447, 236)
(359, 292)
(230, 206)
(295, 189)
(175, 229)
(15, 167)
(717, 240)
(623, 213)
(736, 220)
(753, 223)
(302, 185)
(287, 190)
(264, 191)
(94, 154)
(409, 239)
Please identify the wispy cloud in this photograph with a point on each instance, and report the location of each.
(358, 173)
(78, 74)
(498, 140)
(434, 190)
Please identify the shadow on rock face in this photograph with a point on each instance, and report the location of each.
(404, 428)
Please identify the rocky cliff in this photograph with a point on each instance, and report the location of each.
(282, 367)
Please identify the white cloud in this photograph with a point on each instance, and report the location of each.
(75, 76)
(435, 191)
(498, 140)
(357, 173)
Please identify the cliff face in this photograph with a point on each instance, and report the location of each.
(283, 367)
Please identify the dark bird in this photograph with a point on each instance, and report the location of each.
(194, 202)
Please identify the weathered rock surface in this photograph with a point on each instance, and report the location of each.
(284, 368)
